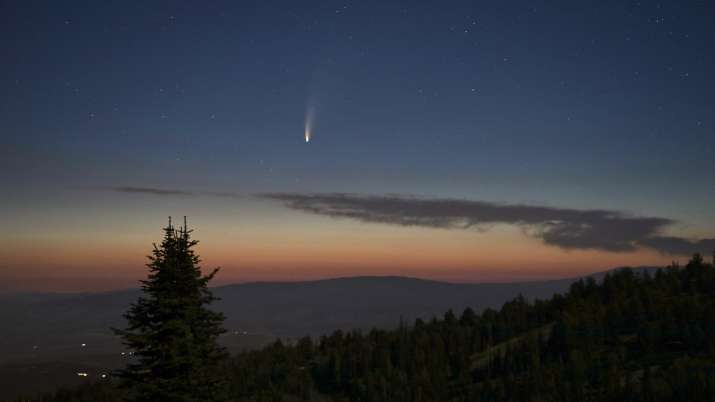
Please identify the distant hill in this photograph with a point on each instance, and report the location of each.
(47, 326)
(317, 307)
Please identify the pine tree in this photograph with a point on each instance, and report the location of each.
(171, 332)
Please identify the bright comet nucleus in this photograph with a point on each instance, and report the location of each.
(309, 120)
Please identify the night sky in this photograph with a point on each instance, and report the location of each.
(454, 140)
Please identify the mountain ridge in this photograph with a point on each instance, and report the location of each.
(276, 309)
(47, 294)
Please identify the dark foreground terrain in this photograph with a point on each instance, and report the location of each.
(50, 338)
(632, 336)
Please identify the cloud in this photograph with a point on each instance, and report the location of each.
(167, 192)
(677, 245)
(148, 190)
(571, 229)
(561, 227)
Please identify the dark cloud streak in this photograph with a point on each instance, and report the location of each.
(677, 245)
(570, 229)
(148, 190)
(561, 227)
(168, 192)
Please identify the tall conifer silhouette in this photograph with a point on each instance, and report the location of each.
(171, 332)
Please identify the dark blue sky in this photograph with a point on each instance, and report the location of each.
(581, 105)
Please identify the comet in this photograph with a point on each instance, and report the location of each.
(309, 122)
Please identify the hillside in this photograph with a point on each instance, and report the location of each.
(634, 336)
(631, 337)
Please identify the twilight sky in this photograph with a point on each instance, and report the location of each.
(454, 140)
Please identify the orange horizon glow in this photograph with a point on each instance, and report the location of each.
(84, 247)
(343, 249)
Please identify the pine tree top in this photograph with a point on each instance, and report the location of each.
(170, 329)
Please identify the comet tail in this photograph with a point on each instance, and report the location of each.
(309, 119)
